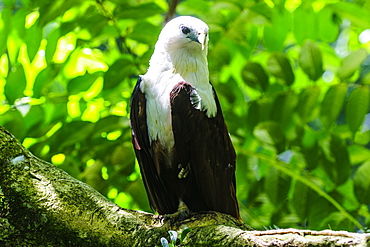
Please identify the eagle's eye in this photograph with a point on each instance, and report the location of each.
(185, 30)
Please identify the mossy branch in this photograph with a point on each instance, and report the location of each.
(42, 205)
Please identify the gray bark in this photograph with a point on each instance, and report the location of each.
(41, 205)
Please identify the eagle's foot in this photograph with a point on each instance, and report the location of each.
(181, 214)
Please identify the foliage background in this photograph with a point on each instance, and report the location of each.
(292, 77)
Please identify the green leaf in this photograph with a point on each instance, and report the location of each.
(124, 157)
(144, 32)
(310, 60)
(52, 43)
(336, 161)
(144, 10)
(255, 76)
(332, 104)
(33, 40)
(328, 25)
(339, 151)
(258, 112)
(13, 121)
(308, 100)
(82, 83)
(274, 35)
(304, 23)
(9, 3)
(94, 22)
(283, 106)
(5, 27)
(117, 72)
(277, 186)
(358, 154)
(71, 133)
(310, 149)
(269, 132)
(301, 200)
(279, 66)
(357, 107)
(15, 84)
(49, 10)
(357, 14)
(16, 36)
(351, 63)
(362, 183)
(44, 78)
(33, 121)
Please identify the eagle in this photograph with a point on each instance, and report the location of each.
(181, 141)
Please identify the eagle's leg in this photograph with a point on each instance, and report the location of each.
(181, 214)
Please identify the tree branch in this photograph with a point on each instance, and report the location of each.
(43, 205)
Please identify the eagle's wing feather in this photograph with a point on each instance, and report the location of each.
(160, 198)
(204, 145)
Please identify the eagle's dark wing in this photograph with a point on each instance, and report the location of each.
(149, 157)
(203, 144)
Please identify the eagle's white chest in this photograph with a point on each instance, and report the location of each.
(157, 91)
(174, 60)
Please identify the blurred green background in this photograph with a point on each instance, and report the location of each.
(292, 77)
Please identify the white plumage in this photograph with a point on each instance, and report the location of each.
(180, 55)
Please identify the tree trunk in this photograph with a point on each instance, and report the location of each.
(41, 205)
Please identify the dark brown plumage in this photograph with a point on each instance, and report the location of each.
(199, 170)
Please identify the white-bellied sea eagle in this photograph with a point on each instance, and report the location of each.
(178, 131)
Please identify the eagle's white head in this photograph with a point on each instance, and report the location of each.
(184, 32)
(182, 49)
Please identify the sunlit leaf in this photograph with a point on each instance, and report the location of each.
(16, 36)
(358, 154)
(310, 60)
(357, 107)
(279, 66)
(275, 33)
(5, 27)
(304, 23)
(33, 40)
(351, 63)
(354, 12)
(328, 25)
(332, 104)
(82, 83)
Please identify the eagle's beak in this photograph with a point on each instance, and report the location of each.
(203, 39)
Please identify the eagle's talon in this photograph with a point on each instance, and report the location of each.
(181, 214)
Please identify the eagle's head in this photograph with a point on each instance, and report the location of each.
(184, 32)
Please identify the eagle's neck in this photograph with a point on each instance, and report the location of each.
(174, 64)
(168, 68)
